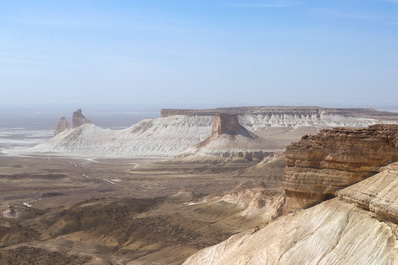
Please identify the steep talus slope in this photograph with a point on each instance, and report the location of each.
(177, 130)
(318, 165)
(333, 232)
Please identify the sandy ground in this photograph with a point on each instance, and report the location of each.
(57, 181)
(119, 211)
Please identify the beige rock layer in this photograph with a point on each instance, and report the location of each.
(333, 232)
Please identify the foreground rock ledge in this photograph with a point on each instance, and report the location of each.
(358, 227)
(319, 165)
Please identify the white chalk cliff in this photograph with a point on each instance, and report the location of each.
(178, 130)
(162, 137)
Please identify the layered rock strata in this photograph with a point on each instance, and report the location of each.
(377, 194)
(298, 111)
(319, 165)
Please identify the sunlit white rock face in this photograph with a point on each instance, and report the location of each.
(358, 227)
(171, 135)
(303, 119)
(162, 137)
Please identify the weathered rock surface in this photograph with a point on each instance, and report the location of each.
(377, 194)
(61, 126)
(79, 119)
(319, 165)
(358, 227)
(333, 232)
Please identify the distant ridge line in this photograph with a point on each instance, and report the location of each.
(269, 110)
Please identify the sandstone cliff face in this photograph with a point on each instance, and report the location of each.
(319, 165)
(61, 126)
(79, 119)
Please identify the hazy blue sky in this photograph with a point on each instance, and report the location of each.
(225, 52)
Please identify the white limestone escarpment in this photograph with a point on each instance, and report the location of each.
(178, 130)
(162, 137)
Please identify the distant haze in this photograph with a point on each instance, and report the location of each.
(199, 53)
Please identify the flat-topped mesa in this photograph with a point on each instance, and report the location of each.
(318, 165)
(226, 124)
(61, 126)
(79, 119)
(229, 140)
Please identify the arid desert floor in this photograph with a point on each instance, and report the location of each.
(122, 211)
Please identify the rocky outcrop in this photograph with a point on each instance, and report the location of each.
(9, 211)
(319, 165)
(358, 227)
(79, 119)
(61, 126)
(227, 124)
(230, 140)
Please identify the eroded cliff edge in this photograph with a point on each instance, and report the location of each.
(320, 164)
(359, 226)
